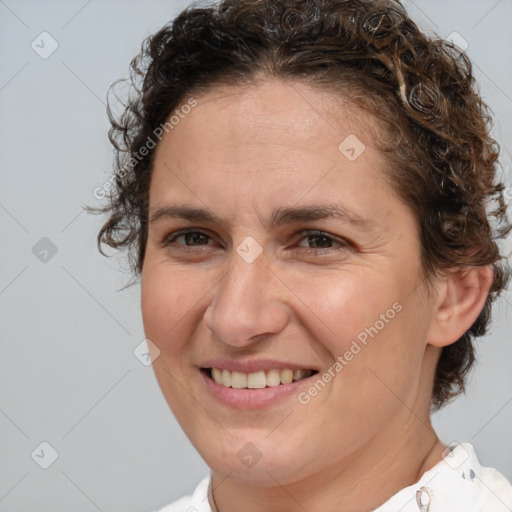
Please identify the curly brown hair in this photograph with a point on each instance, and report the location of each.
(435, 126)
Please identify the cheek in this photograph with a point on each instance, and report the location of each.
(342, 307)
(370, 326)
(379, 360)
(168, 301)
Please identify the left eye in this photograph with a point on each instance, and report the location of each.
(326, 241)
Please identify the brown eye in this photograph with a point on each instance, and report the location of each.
(322, 242)
(191, 238)
(194, 237)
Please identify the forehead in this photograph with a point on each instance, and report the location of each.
(279, 111)
(275, 119)
(277, 142)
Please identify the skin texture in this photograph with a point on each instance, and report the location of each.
(367, 434)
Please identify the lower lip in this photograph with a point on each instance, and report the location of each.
(253, 398)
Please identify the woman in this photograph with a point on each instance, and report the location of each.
(308, 191)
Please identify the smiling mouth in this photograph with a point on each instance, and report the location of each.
(256, 380)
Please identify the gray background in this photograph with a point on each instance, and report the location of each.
(68, 375)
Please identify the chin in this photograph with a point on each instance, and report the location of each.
(262, 462)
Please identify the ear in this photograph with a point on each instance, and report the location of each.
(461, 298)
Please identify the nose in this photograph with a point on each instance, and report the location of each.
(248, 304)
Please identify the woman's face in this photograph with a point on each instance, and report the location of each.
(270, 280)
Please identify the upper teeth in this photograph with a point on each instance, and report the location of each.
(257, 380)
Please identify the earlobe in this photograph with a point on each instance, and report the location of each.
(460, 301)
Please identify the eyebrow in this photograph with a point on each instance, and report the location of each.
(279, 216)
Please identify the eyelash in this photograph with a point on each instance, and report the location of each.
(169, 239)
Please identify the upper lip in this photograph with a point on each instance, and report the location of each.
(253, 365)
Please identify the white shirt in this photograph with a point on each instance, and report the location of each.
(458, 483)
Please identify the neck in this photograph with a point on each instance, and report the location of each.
(358, 483)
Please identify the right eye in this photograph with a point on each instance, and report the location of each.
(192, 236)
(187, 240)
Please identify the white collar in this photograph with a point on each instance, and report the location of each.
(458, 483)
